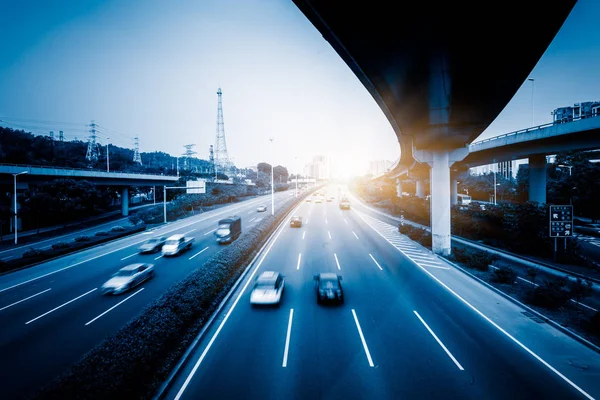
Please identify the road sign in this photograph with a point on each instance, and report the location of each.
(561, 221)
(196, 187)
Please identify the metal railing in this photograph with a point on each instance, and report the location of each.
(77, 169)
(533, 128)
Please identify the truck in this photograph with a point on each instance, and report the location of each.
(176, 244)
(228, 229)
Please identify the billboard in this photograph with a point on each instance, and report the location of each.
(196, 187)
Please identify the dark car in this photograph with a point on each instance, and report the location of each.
(296, 222)
(153, 245)
(328, 287)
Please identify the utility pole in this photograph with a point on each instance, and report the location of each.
(107, 158)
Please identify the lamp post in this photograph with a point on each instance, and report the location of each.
(272, 187)
(107, 159)
(532, 107)
(15, 197)
(495, 168)
(296, 159)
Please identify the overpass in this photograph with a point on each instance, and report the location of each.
(437, 89)
(35, 174)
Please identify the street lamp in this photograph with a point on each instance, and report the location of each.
(296, 159)
(566, 166)
(107, 162)
(272, 187)
(532, 108)
(15, 197)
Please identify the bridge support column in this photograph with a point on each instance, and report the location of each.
(440, 162)
(453, 192)
(125, 201)
(420, 188)
(537, 178)
(398, 187)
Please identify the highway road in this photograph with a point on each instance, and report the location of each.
(53, 313)
(411, 327)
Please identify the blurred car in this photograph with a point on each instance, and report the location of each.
(153, 245)
(319, 200)
(328, 287)
(329, 199)
(127, 278)
(308, 200)
(268, 289)
(261, 208)
(344, 205)
(296, 222)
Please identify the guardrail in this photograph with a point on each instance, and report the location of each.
(533, 128)
(77, 169)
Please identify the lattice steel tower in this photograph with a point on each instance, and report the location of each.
(211, 159)
(137, 158)
(220, 152)
(92, 149)
(188, 153)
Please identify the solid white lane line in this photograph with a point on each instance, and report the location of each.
(20, 301)
(525, 280)
(362, 339)
(210, 232)
(354, 234)
(586, 306)
(62, 305)
(200, 252)
(129, 256)
(328, 233)
(336, 261)
(299, 258)
(439, 342)
(375, 261)
(185, 233)
(113, 307)
(345, 219)
(482, 315)
(287, 339)
(325, 221)
(216, 334)
(303, 233)
(158, 257)
(8, 258)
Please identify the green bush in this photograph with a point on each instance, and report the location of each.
(504, 275)
(102, 233)
(61, 245)
(473, 258)
(117, 229)
(551, 294)
(32, 252)
(82, 238)
(405, 229)
(593, 325)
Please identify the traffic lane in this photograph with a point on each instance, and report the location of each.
(246, 357)
(7, 281)
(88, 320)
(499, 366)
(590, 248)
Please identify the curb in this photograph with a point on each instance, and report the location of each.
(168, 383)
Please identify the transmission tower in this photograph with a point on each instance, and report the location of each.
(136, 154)
(92, 150)
(52, 135)
(61, 136)
(188, 153)
(221, 157)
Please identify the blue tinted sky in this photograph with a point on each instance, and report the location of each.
(152, 68)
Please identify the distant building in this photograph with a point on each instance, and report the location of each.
(319, 168)
(378, 167)
(508, 169)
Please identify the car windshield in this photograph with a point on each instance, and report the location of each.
(329, 284)
(265, 284)
(125, 272)
(171, 242)
(223, 231)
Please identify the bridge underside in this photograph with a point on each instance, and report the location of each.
(441, 72)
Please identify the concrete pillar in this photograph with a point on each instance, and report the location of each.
(440, 162)
(125, 201)
(398, 187)
(453, 192)
(420, 188)
(537, 178)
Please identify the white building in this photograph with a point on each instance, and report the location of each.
(319, 168)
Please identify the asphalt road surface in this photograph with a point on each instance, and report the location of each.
(411, 327)
(53, 313)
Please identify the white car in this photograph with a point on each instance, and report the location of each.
(128, 277)
(267, 289)
(261, 208)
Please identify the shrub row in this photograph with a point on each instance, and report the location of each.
(134, 361)
(34, 256)
(419, 235)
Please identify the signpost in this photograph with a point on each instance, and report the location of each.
(561, 223)
(192, 187)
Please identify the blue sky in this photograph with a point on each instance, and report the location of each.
(152, 68)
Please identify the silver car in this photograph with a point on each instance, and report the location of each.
(261, 208)
(268, 289)
(153, 245)
(127, 278)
